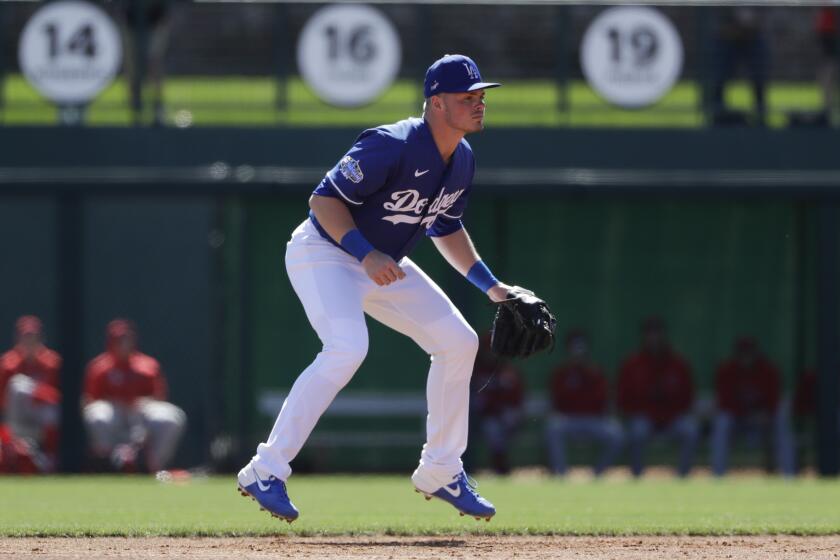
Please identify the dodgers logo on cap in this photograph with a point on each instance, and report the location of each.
(454, 73)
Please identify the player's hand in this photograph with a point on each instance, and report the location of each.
(381, 268)
(498, 293)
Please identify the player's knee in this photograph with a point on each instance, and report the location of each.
(173, 427)
(178, 422)
(463, 340)
(347, 352)
(98, 413)
(471, 341)
(165, 416)
(20, 386)
(179, 418)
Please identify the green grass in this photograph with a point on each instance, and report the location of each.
(251, 101)
(134, 506)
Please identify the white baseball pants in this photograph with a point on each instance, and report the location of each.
(26, 418)
(157, 425)
(336, 293)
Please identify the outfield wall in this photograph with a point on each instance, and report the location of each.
(183, 230)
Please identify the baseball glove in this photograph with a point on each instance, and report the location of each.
(523, 325)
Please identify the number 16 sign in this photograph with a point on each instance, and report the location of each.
(70, 51)
(348, 54)
(631, 56)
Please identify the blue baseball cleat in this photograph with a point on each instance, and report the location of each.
(462, 495)
(270, 493)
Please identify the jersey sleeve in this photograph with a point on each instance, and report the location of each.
(363, 170)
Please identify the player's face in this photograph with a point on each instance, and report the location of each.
(464, 111)
(29, 344)
(125, 346)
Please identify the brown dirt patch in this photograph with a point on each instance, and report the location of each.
(426, 548)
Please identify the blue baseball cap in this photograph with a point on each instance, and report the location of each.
(453, 73)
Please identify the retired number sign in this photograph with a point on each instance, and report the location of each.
(631, 56)
(70, 51)
(348, 54)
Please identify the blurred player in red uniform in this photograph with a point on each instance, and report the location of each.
(497, 403)
(579, 407)
(656, 394)
(29, 394)
(125, 408)
(748, 392)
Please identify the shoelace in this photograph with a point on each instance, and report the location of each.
(469, 482)
(271, 479)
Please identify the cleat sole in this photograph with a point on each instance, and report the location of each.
(461, 513)
(247, 495)
(428, 497)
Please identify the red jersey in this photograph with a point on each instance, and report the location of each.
(140, 376)
(578, 389)
(743, 390)
(44, 368)
(658, 387)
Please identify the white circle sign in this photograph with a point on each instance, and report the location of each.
(70, 51)
(631, 56)
(349, 54)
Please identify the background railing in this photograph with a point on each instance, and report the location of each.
(233, 63)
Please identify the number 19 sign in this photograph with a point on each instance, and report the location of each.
(631, 56)
(348, 54)
(70, 51)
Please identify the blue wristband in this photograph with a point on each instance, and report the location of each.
(356, 244)
(481, 277)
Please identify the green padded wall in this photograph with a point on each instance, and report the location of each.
(713, 270)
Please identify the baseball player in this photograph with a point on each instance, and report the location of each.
(580, 407)
(656, 396)
(748, 392)
(29, 393)
(397, 183)
(125, 407)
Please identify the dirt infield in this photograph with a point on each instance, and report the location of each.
(425, 548)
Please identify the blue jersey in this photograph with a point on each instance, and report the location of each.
(398, 188)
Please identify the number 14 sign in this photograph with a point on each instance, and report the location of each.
(70, 51)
